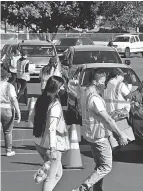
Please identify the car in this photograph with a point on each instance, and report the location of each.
(39, 53)
(78, 55)
(127, 44)
(81, 79)
(64, 43)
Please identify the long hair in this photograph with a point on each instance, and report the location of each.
(47, 69)
(49, 96)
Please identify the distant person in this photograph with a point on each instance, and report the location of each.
(8, 105)
(23, 76)
(13, 67)
(50, 69)
(110, 43)
(50, 127)
(96, 123)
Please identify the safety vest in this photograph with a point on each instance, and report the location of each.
(21, 70)
(94, 128)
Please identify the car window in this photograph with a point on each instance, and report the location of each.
(67, 42)
(87, 41)
(13, 48)
(129, 78)
(121, 39)
(132, 40)
(79, 42)
(137, 39)
(82, 57)
(39, 50)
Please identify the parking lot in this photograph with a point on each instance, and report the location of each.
(17, 171)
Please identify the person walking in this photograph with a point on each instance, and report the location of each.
(8, 105)
(23, 76)
(50, 128)
(50, 69)
(96, 123)
(13, 67)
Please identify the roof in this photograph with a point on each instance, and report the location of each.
(93, 48)
(74, 37)
(105, 65)
(35, 42)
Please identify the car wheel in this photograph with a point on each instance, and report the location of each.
(142, 54)
(127, 53)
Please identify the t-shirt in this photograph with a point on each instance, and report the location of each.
(7, 93)
(50, 130)
(114, 96)
(13, 66)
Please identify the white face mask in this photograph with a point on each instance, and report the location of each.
(130, 86)
(120, 78)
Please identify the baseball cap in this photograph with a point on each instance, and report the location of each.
(4, 73)
(117, 72)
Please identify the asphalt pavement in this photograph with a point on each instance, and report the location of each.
(17, 171)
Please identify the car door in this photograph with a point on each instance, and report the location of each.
(73, 89)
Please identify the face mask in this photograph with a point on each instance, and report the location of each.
(120, 78)
(130, 86)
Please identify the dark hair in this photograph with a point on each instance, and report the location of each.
(114, 73)
(47, 69)
(49, 96)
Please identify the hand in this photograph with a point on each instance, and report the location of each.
(124, 140)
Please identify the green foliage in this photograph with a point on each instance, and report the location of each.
(47, 16)
(122, 14)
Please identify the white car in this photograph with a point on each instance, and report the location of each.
(127, 44)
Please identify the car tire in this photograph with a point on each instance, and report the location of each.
(127, 53)
(142, 54)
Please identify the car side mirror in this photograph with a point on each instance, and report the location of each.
(127, 62)
(65, 63)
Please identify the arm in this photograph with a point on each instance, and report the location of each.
(99, 108)
(16, 106)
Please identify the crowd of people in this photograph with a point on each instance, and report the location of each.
(50, 127)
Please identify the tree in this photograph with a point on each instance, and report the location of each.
(122, 14)
(48, 16)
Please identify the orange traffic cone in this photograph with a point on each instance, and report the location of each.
(30, 108)
(72, 158)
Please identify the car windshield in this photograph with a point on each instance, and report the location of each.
(67, 42)
(85, 57)
(39, 50)
(129, 78)
(121, 39)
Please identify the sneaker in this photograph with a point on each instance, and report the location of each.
(10, 153)
(83, 187)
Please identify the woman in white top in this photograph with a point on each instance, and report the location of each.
(8, 105)
(50, 69)
(50, 127)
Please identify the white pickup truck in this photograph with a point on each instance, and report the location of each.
(127, 44)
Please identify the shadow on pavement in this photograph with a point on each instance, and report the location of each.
(24, 147)
(34, 164)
